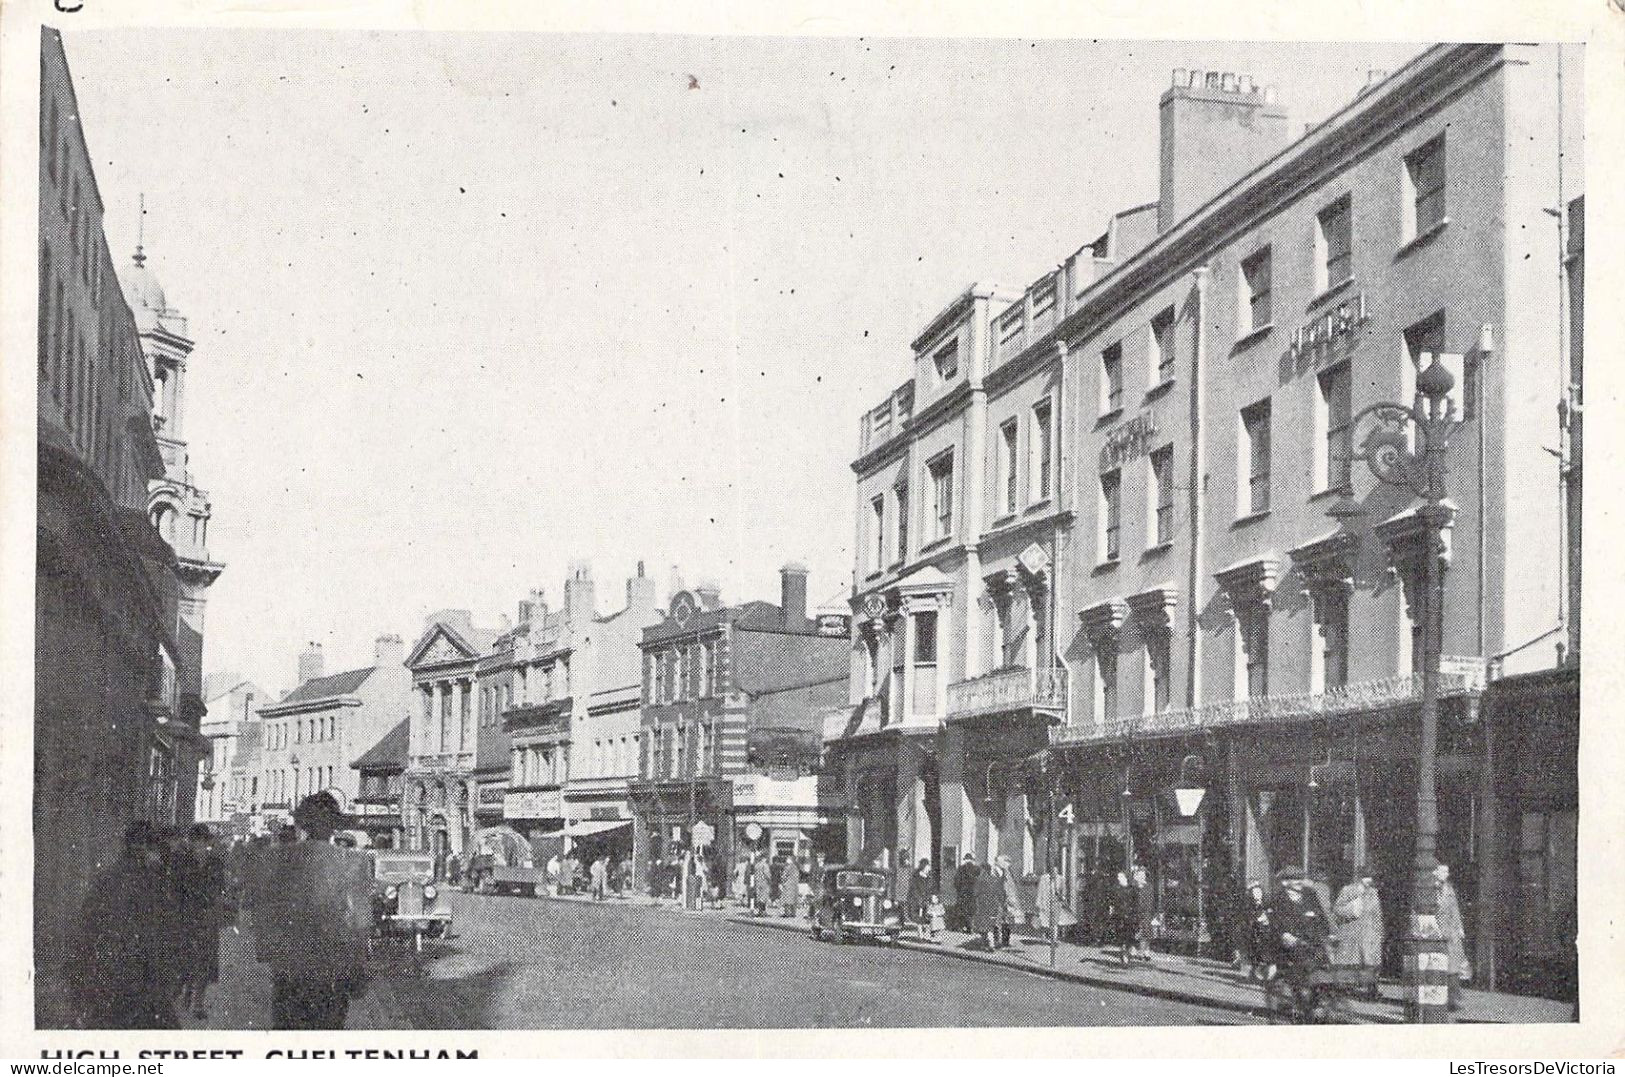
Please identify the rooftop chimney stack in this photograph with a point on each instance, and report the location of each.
(311, 664)
(640, 591)
(793, 594)
(709, 593)
(676, 583)
(1216, 126)
(580, 599)
(388, 651)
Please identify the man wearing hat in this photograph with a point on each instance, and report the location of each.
(1299, 927)
(124, 969)
(312, 917)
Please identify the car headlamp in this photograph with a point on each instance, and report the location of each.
(389, 891)
(429, 892)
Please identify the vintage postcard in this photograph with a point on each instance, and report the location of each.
(765, 533)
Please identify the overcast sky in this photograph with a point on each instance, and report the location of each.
(468, 307)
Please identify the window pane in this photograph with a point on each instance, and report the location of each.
(1111, 488)
(925, 638)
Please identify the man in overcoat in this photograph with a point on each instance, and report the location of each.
(1358, 915)
(312, 916)
(124, 969)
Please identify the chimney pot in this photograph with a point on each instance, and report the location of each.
(793, 594)
(1179, 76)
(1213, 79)
(1228, 83)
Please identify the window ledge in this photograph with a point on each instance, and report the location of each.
(1159, 388)
(1037, 504)
(935, 543)
(1250, 518)
(1158, 550)
(1108, 416)
(1335, 290)
(1004, 518)
(1252, 336)
(875, 575)
(1422, 238)
(1329, 492)
(1105, 566)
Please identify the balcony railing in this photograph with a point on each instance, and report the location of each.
(1347, 699)
(1009, 690)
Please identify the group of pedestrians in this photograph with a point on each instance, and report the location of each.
(148, 942)
(148, 939)
(1295, 930)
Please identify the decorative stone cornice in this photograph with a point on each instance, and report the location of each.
(1154, 607)
(1404, 535)
(1251, 583)
(1102, 621)
(1327, 563)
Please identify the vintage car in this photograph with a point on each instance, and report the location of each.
(406, 901)
(854, 903)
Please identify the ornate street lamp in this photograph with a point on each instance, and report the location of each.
(1391, 431)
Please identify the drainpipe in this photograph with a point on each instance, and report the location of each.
(1193, 628)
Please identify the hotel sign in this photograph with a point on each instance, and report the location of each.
(1128, 441)
(1333, 328)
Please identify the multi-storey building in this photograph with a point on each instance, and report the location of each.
(380, 785)
(734, 699)
(226, 788)
(1236, 637)
(573, 725)
(447, 751)
(115, 737)
(1233, 668)
(180, 511)
(311, 736)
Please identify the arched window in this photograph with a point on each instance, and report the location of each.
(163, 521)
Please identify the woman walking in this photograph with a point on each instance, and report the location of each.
(1358, 915)
(988, 907)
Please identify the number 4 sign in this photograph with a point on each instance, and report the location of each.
(1066, 815)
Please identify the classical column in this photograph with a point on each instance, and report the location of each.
(906, 711)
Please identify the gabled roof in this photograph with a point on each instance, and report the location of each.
(471, 648)
(330, 687)
(390, 751)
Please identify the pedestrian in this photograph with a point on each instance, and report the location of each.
(1255, 934)
(1357, 913)
(1300, 932)
(312, 917)
(790, 888)
(1145, 910)
(600, 880)
(741, 881)
(1454, 932)
(988, 909)
(454, 870)
(1122, 916)
(761, 885)
(122, 971)
(965, 891)
(920, 894)
(938, 918)
(553, 868)
(1052, 910)
(200, 885)
(1015, 909)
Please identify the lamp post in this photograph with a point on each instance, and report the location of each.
(1388, 450)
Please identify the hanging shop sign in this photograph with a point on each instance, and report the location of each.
(1129, 440)
(1328, 332)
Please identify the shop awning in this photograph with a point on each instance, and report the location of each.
(593, 826)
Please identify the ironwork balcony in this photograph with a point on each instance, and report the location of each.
(1009, 690)
(1265, 710)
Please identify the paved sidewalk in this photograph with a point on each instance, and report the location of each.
(1175, 977)
(1202, 981)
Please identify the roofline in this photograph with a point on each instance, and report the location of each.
(1109, 288)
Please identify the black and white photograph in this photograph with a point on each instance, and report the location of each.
(608, 531)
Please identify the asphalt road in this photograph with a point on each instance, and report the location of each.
(528, 963)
